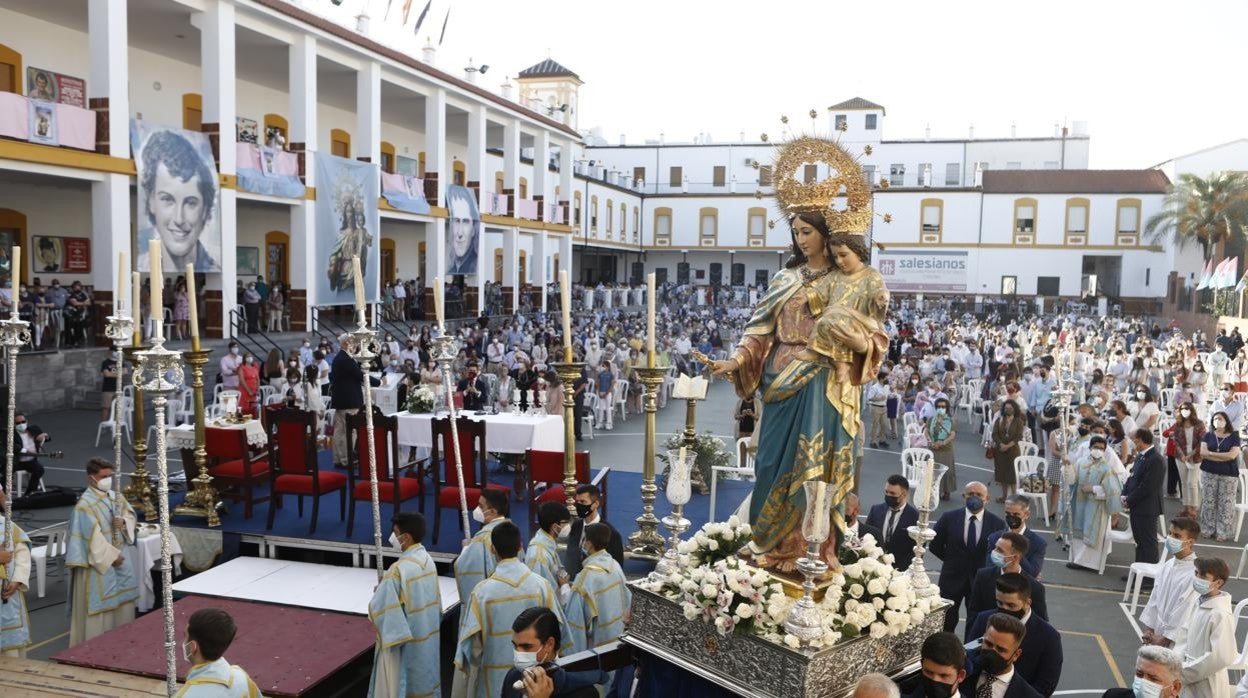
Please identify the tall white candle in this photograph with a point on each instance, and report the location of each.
(136, 286)
(359, 285)
(439, 302)
(158, 282)
(194, 306)
(821, 491)
(119, 291)
(565, 301)
(15, 275)
(650, 283)
(928, 466)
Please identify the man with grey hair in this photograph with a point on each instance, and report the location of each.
(876, 686)
(1158, 674)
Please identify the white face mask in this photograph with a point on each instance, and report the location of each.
(563, 532)
(21, 426)
(478, 515)
(1097, 453)
(186, 650)
(1143, 688)
(394, 542)
(524, 660)
(234, 351)
(105, 484)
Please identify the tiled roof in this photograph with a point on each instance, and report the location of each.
(855, 103)
(1075, 182)
(547, 69)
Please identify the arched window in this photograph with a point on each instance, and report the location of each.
(192, 112)
(708, 227)
(524, 188)
(339, 143)
(1127, 226)
(576, 208)
(1025, 221)
(610, 216)
(10, 70)
(931, 220)
(459, 173)
(756, 227)
(593, 215)
(275, 124)
(277, 256)
(663, 227)
(387, 157)
(1077, 210)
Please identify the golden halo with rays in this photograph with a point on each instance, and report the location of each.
(796, 196)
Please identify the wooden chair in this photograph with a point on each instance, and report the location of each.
(293, 467)
(442, 456)
(236, 469)
(546, 467)
(394, 482)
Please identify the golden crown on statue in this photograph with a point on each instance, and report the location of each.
(846, 180)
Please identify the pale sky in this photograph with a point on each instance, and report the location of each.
(1153, 79)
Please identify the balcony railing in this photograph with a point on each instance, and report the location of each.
(46, 123)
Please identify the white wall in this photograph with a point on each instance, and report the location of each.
(56, 211)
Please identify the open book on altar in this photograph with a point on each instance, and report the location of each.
(690, 388)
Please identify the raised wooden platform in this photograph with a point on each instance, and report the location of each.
(20, 678)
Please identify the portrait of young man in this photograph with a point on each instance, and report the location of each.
(177, 200)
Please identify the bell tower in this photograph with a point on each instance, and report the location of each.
(551, 90)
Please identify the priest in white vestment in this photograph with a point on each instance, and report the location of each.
(14, 580)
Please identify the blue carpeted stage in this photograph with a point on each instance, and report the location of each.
(623, 506)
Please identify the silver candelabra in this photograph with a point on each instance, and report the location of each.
(804, 621)
(679, 491)
(445, 348)
(363, 346)
(14, 334)
(159, 374)
(927, 498)
(119, 330)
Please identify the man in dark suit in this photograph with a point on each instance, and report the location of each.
(942, 667)
(990, 672)
(854, 528)
(1040, 663)
(1017, 514)
(588, 502)
(1142, 496)
(1006, 554)
(28, 441)
(346, 392)
(1159, 666)
(961, 544)
(892, 518)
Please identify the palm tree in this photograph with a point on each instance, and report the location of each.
(1207, 212)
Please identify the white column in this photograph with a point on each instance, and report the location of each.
(565, 180)
(476, 159)
(540, 252)
(511, 263)
(368, 112)
(110, 64)
(303, 261)
(565, 255)
(511, 156)
(542, 185)
(435, 253)
(110, 231)
(435, 147)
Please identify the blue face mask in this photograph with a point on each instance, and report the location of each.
(1201, 586)
(1173, 545)
(974, 503)
(997, 558)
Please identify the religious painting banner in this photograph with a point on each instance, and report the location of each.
(347, 225)
(923, 270)
(178, 200)
(269, 171)
(42, 117)
(404, 192)
(60, 254)
(463, 231)
(51, 86)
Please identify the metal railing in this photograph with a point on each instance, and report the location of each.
(258, 343)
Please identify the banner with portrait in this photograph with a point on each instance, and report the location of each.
(50, 86)
(271, 171)
(347, 225)
(463, 231)
(42, 116)
(404, 192)
(178, 197)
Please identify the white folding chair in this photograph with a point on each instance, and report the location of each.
(908, 418)
(619, 398)
(57, 536)
(1027, 448)
(1241, 506)
(912, 460)
(184, 410)
(264, 392)
(591, 403)
(112, 425)
(1028, 465)
(744, 467)
(1135, 578)
(1241, 661)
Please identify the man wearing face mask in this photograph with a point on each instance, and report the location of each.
(990, 668)
(589, 511)
(1142, 495)
(28, 441)
(406, 609)
(961, 544)
(209, 633)
(893, 518)
(103, 588)
(1165, 618)
(1230, 404)
(1008, 550)
(484, 650)
(230, 364)
(1040, 662)
(942, 667)
(477, 560)
(1017, 514)
(536, 639)
(542, 555)
(1158, 674)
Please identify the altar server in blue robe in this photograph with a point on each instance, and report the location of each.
(14, 577)
(407, 609)
(542, 556)
(209, 632)
(99, 554)
(484, 653)
(601, 598)
(477, 560)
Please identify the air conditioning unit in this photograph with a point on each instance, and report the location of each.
(749, 162)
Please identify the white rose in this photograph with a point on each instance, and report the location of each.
(851, 606)
(713, 529)
(898, 586)
(889, 559)
(724, 625)
(878, 604)
(760, 579)
(744, 610)
(876, 586)
(744, 530)
(854, 570)
(831, 638)
(879, 630)
(776, 588)
(701, 538)
(688, 586)
(691, 611)
(916, 616)
(856, 591)
(866, 616)
(792, 641)
(712, 545)
(709, 591)
(734, 521)
(685, 547)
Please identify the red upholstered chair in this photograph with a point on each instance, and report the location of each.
(442, 456)
(546, 467)
(236, 468)
(293, 465)
(393, 484)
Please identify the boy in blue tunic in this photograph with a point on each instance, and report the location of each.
(209, 632)
(542, 557)
(407, 609)
(477, 560)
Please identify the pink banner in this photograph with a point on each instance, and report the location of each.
(268, 161)
(14, 121)
(527, 209)
(76, 126)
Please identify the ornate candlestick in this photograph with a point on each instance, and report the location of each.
(690, 436)
(363, 345)
(568, 372)
(139, 491)
(646, 542)
(926, 500)
(804, 621)
(679, 490)
(1061, 530)
(14, 333)
(445, 348)
(201, 499)
(159, 373)
(119, 330)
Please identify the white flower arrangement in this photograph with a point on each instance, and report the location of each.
(420, 400)
(866, 596)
